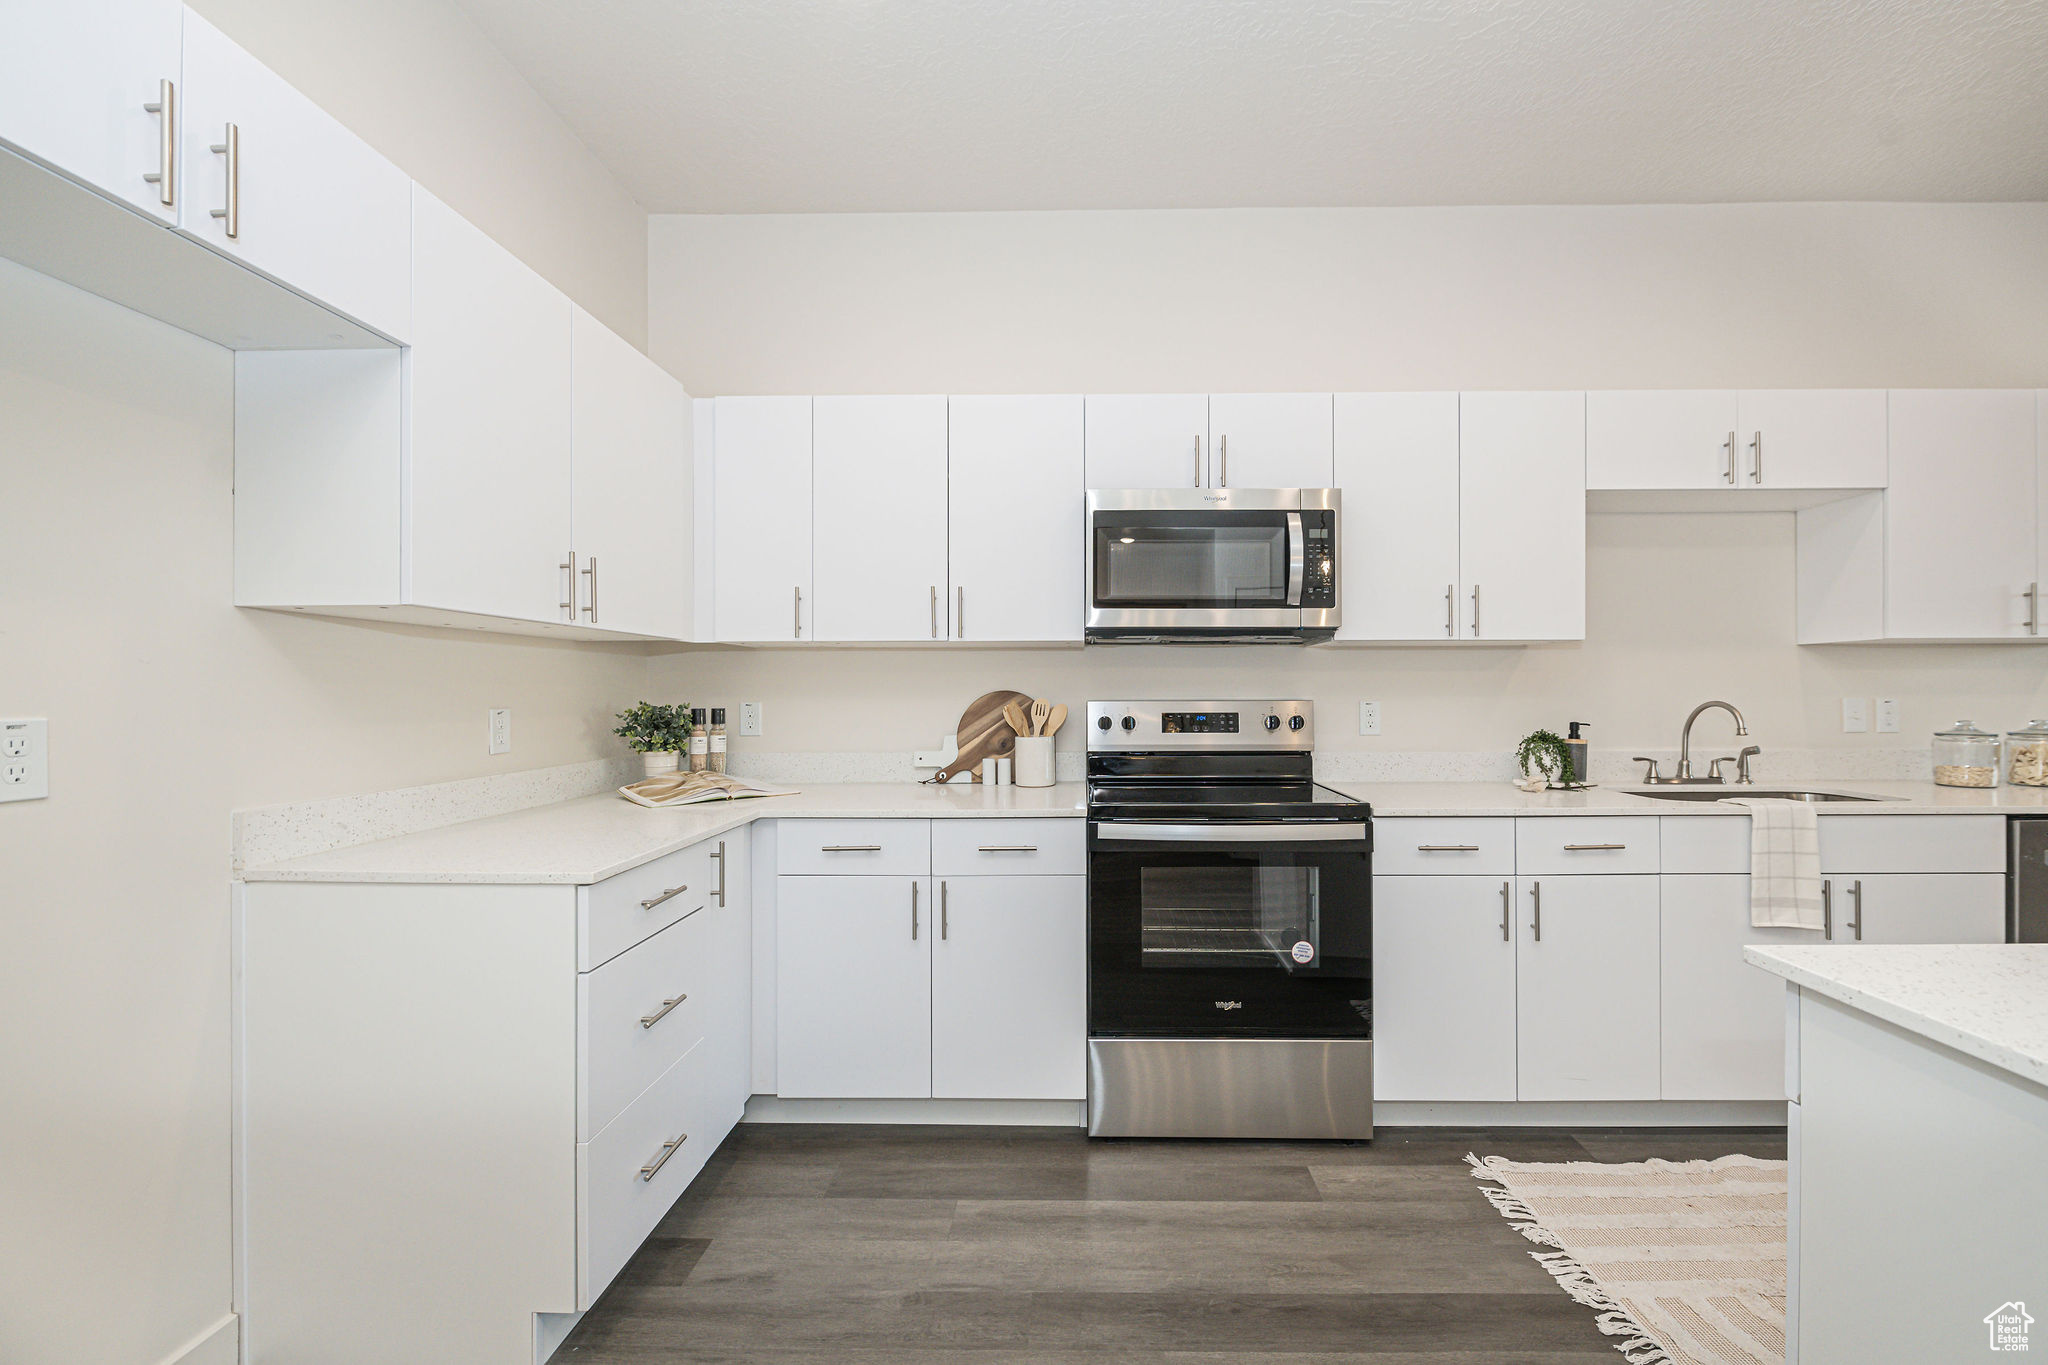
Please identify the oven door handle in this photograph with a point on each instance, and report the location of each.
(1297, 559)
(1232, 834)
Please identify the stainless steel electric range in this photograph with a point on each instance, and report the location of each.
(1229, 927)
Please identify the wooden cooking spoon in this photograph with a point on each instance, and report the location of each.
(1013, 712)
(1055, 720)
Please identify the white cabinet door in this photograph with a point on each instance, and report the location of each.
(761, 521)
(308, 202)
(74, 77)
(1813, 438)
(1147, 440)
(490, 380)
(2040, 489)
(1271, 440)
(1960, 516)
(1397, 466)
(878, 470)
(1010, 989)
(1522, 516)
(1662, 438)
(1016, 518)
(1443, 953)
(1723, 1020)
(1586, 988)
(1918, 907)
(853, 987)
(634, 492)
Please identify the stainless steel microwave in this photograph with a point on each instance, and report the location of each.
(1227, 565)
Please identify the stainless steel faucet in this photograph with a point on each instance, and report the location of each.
(1684, 773)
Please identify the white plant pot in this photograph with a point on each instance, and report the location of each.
(659, 763)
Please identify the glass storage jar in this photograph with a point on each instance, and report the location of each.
(2026, 755)
(1965, 757)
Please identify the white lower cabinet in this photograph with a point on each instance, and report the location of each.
(1443, 952)
(1586, 1004)
(1916, 908)
(1009, 989)
(853, 990)
(1723, 1020)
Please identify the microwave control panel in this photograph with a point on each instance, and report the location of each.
(1319, 578)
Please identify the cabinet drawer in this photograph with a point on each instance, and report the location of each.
(639, 1012)
(1706, 844)
(1423, 847)
(621, 911)
(629, 1174)
(1570, 845)
(858, 848)
(1912, 843)
(1008, 848)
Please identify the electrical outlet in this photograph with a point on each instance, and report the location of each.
(24, 760)
(750, 718)
(1887, 715)
(500, 729)
(1368, 718)
(1855, 715)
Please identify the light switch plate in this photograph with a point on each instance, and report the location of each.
(1855, 715)
(750, 718)
(1368, 718)
(24, 759)
(1887, 715)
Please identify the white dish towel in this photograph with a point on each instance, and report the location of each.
(1784, 864)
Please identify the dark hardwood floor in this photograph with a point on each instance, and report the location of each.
(999, 1246)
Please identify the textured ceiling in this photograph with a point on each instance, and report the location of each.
(730, 106)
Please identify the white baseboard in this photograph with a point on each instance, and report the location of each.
(550, 1330)
(1582, 1114)
(1025, 1113)
(220, 1344)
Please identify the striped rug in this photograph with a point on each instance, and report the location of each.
(1683, 1260)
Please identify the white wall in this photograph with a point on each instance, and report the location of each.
(1679, 608)
(168, 708)
(419, 81)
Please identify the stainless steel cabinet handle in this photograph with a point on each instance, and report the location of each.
(668, 1149)
(913, 911)
(1536, 898)
(1447, 848)
(798, 632)
(1856, 896)
(1198, 459)
(1756, 457)
(1730, 445)
(960, 614)
(1507, 902)
(1475, 611)
(2033, 608)
(1223, 461)
(1451, 609)
(650, 1020)
(667, 895)
(1009, 848)
(1591, 848)
(943, 925)
(935, 613)
(591, 574)
(165, 176)
(720, 856)
(850, 848)
(1827, 909)
(231, 147)
(568, 571)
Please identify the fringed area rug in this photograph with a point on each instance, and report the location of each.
(1683, 1260)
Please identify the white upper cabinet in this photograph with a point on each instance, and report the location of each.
(490, 448)
(1812, 438)
(74, 77)
(1270, 440)
(1663, 438)
(1961, 517)
(1522, 516)
(878, 468)
(1397, 466)
(1016, 518)
(1148, 440)
(762, 523)
(268, 178)
(634, 496)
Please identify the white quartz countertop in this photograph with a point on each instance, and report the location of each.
(1391, 800)
(595, 837)
(1988, 1000)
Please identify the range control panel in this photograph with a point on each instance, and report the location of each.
(1150, 726)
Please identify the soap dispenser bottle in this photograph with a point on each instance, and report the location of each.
(1573, 743)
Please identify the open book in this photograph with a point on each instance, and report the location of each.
(684, 789)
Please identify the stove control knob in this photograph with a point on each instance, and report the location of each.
(1130, 723)
(1272, 722)
(1295, 722)
(1102, 722)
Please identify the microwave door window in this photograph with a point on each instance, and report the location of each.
(1221, 567)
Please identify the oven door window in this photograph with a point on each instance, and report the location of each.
(1144, 562)
(1207, 916)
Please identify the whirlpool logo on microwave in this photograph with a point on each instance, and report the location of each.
(1230, 1004)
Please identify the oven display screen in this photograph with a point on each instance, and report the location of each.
(1199, 722)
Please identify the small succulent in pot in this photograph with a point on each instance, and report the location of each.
(1545, 760)
(657, 733)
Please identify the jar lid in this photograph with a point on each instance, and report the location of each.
(696, 715)
(2035, 729)
(718, 716)
(1964, 730)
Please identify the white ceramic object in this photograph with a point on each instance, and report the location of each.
(660, 762)
(1033, 761)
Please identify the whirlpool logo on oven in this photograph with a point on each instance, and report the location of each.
(1230, 1004)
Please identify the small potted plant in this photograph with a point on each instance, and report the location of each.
(1546, 762)
(657, 733)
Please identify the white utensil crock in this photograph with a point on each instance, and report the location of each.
(1034, 760)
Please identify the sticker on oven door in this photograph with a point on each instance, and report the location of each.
(1304, 951)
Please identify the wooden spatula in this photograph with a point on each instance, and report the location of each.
(1013, 712)
(1040, 709)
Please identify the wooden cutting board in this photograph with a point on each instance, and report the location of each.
(983, 734)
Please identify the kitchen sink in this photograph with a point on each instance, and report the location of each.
(1723, 793)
